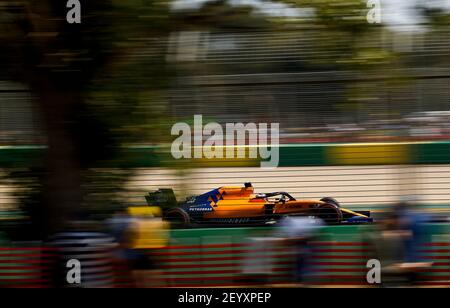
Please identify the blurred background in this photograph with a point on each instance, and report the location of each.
(86, 112)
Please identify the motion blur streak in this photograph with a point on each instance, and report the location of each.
(86, 111)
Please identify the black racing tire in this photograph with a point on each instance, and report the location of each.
(330, 200)
(329, 213)
(178, 218)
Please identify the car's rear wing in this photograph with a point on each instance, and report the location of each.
(163, 197)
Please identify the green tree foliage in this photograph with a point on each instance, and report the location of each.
(95, 82)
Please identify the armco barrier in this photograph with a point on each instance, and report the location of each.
(251, 256)
(24, 267)
(244, 257)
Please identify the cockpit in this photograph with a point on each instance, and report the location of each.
(280, 196)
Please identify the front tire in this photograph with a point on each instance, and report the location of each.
(329, 213)
(330, 200)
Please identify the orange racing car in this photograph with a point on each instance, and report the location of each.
(228, 206)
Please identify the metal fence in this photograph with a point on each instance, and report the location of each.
(239, 76)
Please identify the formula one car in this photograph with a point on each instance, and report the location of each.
(226, 206)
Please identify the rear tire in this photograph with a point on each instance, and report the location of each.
(178, 218)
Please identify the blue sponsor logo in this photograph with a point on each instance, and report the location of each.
(204, 208)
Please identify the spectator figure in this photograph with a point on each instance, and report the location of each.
(118, 227)
(92, 250)
(146, 233)
(298, 232)
(412, 222)
(398, 243)
(258, 259)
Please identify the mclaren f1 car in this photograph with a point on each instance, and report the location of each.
(231, 206)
